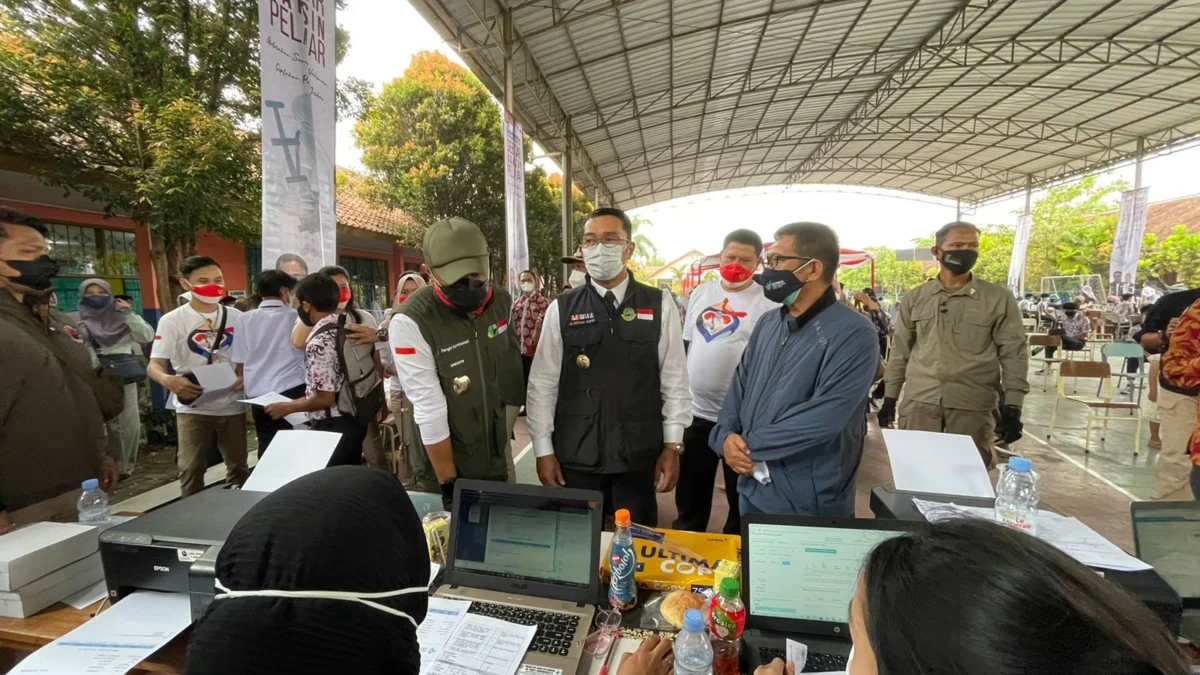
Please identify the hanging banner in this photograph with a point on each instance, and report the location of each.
(298, 219)
(1016, 265)
(514, 201)
(1127, 243)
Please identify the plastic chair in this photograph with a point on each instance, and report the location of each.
(1095, 404)
(1127, 350)
(1043, 341)
(1030, 325)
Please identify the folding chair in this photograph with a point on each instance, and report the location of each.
(1095, 404)
(1030, 325)
(1044, 341)
(1138, 380)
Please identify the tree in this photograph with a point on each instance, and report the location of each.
(893, 276)
(543, 215)
(1173, 260)
(142, 106)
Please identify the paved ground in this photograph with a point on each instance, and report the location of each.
(1096, 486)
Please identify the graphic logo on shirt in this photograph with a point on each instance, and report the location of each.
(718, 320)
(497, 328)
(580, 319)
(628, 314)
(200, 339)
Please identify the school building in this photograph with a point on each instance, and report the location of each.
(88, 244)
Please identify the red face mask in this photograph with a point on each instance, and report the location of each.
(403, 297)
(735, 273)
(344, 295)
(210, 293)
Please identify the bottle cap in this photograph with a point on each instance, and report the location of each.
(622, 517)
(91, 484)
(1020, 464)
(693, 621)
(730, 587)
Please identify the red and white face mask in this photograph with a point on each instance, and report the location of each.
(735, 273)
(209, 293)
(344, 298)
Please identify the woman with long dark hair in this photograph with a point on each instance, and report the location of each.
(970, 597)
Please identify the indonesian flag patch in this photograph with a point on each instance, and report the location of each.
(497, 328)
(645, 314)
(406, 351)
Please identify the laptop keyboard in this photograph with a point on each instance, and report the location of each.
(817, 661)
(555, 632)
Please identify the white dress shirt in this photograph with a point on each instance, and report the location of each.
(418, 376)
(264, 348)
(542, 396)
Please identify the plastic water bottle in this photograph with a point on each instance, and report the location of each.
(93, 504)
(622, 589)
(693, 651)
(1017, 496)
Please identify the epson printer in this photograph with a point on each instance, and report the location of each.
(174, 547)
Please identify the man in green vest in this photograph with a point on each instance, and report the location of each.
(459, 363)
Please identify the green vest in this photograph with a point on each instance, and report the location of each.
(479, 366)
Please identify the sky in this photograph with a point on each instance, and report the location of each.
(384, 35)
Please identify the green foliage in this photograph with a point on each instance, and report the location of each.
(1173, 260)
(892, 275)
(543, 216)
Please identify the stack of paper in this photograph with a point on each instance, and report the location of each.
(43, 563)
(948, 464)
(453, 641)
(1069, 535)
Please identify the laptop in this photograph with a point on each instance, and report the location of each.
(1167, 536)
(799, 574)
(528, 554)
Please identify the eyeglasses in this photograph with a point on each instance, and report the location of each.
(773, 261)
(608, 240)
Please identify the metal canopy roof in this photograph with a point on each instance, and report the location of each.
(965, 99)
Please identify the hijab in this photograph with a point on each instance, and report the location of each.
(346, 528)
(105, 325)
(407, 276)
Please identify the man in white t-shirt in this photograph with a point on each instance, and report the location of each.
(720, 318)
(187, 338)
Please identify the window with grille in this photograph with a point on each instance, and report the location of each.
(368, 281)
(87, 252)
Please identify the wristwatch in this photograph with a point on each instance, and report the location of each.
(677, 447)
(381, 333)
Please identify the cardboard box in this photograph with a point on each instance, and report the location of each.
(27, 553)
(52, 588)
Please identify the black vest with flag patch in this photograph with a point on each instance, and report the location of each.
(609, 415)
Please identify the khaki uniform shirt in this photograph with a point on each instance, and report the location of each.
(959, 349)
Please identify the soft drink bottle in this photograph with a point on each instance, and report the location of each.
(622, 590)
(1017, 496)
(693, 652)
(726, 621)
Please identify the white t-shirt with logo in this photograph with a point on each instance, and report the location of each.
(185, 338)
(718, 326)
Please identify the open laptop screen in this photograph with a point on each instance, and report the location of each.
(525, 537)
(807, 573)
(1168, 537)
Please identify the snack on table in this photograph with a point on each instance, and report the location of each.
(437, 535)
(726, 568)
(673, 559)
(678, 602)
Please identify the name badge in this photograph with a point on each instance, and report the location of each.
(581, 319)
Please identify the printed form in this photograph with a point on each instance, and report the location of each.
(483, 646)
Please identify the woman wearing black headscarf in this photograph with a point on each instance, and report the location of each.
(342, 530)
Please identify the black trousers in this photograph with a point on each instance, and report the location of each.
(526, 364)
(265, 428)
(349, 448)
(697, 480)
(633, 490)
(1069, 343)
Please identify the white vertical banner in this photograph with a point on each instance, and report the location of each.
(298, 213)
(1127, 243)
(514, 201)
(1016, 265)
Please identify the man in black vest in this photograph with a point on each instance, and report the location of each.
(608, 392)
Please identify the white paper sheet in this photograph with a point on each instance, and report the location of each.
(295, 419)
(483, 646)
(761, 473)
(434, 568)
(88, 596)
(925, 461)
(441, 620)
(797, 653)
(1070, 535)
(292, 454)
(215, 377)
(115, 640)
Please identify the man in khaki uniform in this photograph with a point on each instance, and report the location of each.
(958, 345)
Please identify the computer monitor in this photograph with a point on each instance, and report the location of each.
(526, 539)
(1167, 536)
(799, 573)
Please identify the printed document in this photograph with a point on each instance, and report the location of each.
(295, 419)
(116, 640)
(483, 646)
(215, 377)
(926, 461)
(292, 454)
(441, 620)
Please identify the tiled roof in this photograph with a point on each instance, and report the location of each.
(1162, 217)
(354, 210)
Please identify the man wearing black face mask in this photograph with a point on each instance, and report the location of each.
(49, 378)
(958, 343)
(459, 363)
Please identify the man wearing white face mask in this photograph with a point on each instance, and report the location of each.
(201, 333)
(608, 391)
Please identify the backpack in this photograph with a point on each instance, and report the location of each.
(361, 397)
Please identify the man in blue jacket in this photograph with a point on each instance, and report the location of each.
(794, 421)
